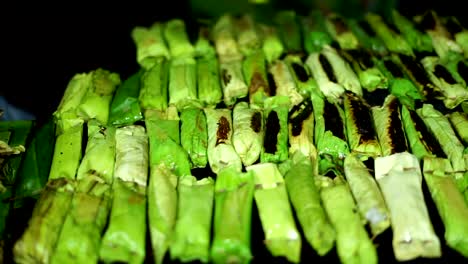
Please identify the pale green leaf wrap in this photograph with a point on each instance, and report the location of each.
(247, 137)
(124, 239)
(37, 243)
(314, 32)
(99, 157)
(301, 74)
(164, 141)
(353, 245)
(453, 93)
(224, 37)
(419, 41)
(203, 45)
(96, 102)
(162, 209)
(67, 153)
(285, 83)
(368, 197)
(232, 81)
(418, 146)
(399, 178)
(459, 121)
(80, 238)
(331, 90)
(66, 116)
(248, 38)
(183, 83)
(462, 40)
(194, 136)
(154, 86)
(305, 198)
(192, 232)
(150, 44)
(301, 130)
(177, 39)
(340, 31)
(271, 197)
(275, 142)
(288, 27)
(255, 71)
(221, 152)
(209, 91)
(272, 45)
(450, 203)
(394, 42)
(234, 193)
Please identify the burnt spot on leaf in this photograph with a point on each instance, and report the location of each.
(298, 114)
(463, 70)
(427, 22)
(441, 72)
(364, 25)
(362, 118)
(393, 68)
(256, 122)
(223, 131)
(426, 137)
(258, 81)
(395, 129)
(333, 120)
(226, 77)
(272, 129)
(340, 24)
(300, 72)
(327, 68)
(271, 84)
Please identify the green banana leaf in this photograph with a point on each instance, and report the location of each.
(247, 137)
(194, 136)
(177, 39)
(255, 72)
(314, 32)
(150, 44)
(125, 107)
(275, 142)
(154, 86)
(209, 90)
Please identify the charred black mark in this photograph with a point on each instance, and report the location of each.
(422, 54)
(271, 84)
(417, 70)
(452, 26)
(366, 28)
(333, 121)
(340, 25)
(226, 77)
(426, 137)
(223, 131)
(377, 97)
(330, 174)
(441, 72)
(428, 22)
(271, 132)
(84, 139)
(256, 122)
(258, 81)
(395, 130)
(362, 117)
(298, 114)
(300, 72)
(463, 70)
(393, 68)
(362, 57)
(369, 163)
(327, 68)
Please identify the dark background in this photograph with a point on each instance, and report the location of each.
(44, 45)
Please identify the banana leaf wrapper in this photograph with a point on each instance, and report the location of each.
(34, 170)
(289, 30)
(194, 136)
(125, 107)
(305, 199)
(162, 209)
(38, 241)
(399, 178)
(450, 204)
(248, 132)
(459, 70)
(366, 36)
(302, 76)
(314, 32)
(248, 38)
(221, 151)
(96, 102)
(192, 232)
(183, 83)
(369, 199)
(177, 39)
(232, 81)
(389, 127)
(343, 71)
(67, 153)
(458, 32)
(154, 86)
(459, 121)
(66, 114)
(224, 38)
(418, 40)
(360, 130)
(340, 31)
(203, 46)
(281, 235)
(209, 91)
(439, 125)
(80, 237)
(285, 83)
(353, 245)
(150, 44)
(275, 141)
(370, 76)
(99, 156)
(301, 129)
(393, 40)
(131, 154)
(164, 141)
(323, 73)
(234, 192)
(124, 239)
(453, 93)
(255, 72)
(272, 44)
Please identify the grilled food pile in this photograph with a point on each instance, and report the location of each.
(327, 127)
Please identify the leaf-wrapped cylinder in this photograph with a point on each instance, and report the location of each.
(177, 39)
(154, 86)
(150, 44)
(67, 153)
(275, 142)
(194, 136)
(247, 137)
(125, 107)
